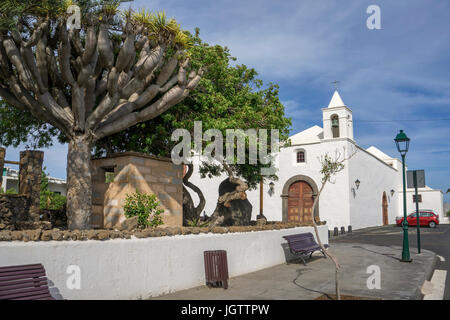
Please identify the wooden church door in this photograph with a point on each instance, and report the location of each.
(300, 202)
(385, 209)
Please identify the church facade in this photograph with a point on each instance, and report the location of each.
(367, 192)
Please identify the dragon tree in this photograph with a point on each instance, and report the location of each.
(112, 71)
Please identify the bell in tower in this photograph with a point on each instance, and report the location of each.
(335, 125)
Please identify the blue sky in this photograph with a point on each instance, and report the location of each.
(400, 72)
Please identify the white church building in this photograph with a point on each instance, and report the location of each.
(367, 192)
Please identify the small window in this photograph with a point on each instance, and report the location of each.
(419, 196)
(109, 174)
(300, 156)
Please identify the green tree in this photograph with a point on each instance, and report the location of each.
(82, 85)
(227, 97)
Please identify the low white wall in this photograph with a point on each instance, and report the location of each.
(141, 268)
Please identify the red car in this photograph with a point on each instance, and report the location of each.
(426, 218)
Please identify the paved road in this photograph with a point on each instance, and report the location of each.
(437, 240)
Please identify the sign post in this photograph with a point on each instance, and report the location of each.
(416, 179)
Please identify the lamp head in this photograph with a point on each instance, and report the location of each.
(402, 142)
(272, 186)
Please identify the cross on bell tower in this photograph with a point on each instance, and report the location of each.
(335, 83)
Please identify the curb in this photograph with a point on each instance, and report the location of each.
(427, 277)
(357, 231)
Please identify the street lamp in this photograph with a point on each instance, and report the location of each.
(402, 142)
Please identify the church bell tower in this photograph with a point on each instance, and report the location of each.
(337, 119)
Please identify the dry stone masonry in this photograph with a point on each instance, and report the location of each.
(13, 209)
(30, 174)
(44, 234)
(22, 211)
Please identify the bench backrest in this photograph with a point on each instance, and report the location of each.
(24, 282)
(301, 240)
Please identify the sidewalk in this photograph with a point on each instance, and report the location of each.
(295, 281)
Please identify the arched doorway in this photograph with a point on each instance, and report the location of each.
(300, 202)
(285, 194)
(385, 209)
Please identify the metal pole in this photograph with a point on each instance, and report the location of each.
(405, 251)
(417, 211)
(261, 197)
(2, 159)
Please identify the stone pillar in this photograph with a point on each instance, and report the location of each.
(2, 161)
(30, 179)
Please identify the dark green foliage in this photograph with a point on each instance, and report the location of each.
(18, 126)
(9, 191)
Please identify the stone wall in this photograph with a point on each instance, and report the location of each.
(13, 210)
(57, 218)
(133, 171)
(30, 174)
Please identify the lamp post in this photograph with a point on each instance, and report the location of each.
(402, 142)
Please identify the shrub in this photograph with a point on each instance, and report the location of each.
(9, 191)
(197, 223)
(52, 201)
(145, 206)
(48, 199)
(448, 213)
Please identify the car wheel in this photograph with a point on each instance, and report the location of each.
(432, 224)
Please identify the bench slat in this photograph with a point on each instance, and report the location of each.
(37, 297)
(28, 284)
(24, 293)
(21, 267)
(17, 272)
(21, 276)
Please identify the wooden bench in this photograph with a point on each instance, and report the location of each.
(24, 282)
(303, 244)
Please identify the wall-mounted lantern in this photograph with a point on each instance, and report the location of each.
(357, 183)
(392, 192)
(272, 186)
